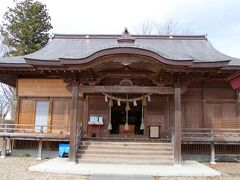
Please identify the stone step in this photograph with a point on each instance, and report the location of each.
(130, 152)
(119, 161)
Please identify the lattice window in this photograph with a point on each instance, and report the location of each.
(41, 116)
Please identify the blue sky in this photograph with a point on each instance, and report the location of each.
(220, 19)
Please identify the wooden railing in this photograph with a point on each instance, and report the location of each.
(29, 128)
(211, 134)
(172, 136)
(79, 137)
(173, 139)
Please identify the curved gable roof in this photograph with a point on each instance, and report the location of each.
(78, 48)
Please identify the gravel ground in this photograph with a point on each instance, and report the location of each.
(229, 170)
(13, 168)
(17, 168)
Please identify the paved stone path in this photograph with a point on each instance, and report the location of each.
(119, 177)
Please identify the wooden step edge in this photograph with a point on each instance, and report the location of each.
(129, 144)
(124, 157)
(124, 152)
(125, 142)
(124, 147)
(167, 163)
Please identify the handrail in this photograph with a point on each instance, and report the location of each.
(221, 129)
(210, 133)
(172, 138)
(23, 128)
(33, 125)
(79, 137)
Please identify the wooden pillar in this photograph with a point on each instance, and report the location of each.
(73, 123)
(167, 118)
(177, 130)
(212, 147)
(86, 115)
(4, 147)
(39, 156)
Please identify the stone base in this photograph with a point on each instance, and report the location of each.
(188, 168)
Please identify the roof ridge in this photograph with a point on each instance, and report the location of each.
(116, 36)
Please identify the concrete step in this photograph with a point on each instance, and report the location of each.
(129, 152)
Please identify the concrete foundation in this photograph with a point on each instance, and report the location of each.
(61, 165)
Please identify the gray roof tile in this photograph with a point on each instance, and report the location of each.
(196, 48)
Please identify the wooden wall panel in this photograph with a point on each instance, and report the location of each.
(27, 111)
(194, 115)
(219, 93)
(217, 83)
(214, 116)
(156, 119)
(156, 105)
(222, 115)
(193, 93)
(156, 114)
(42, 88)
(60, 113)
(229, 115)
(183, 109)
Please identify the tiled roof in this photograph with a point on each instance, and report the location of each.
(173, 48)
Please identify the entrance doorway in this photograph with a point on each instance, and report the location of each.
(118, 116)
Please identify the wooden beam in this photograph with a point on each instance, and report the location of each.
(127, 89)
(177, 130)
(73, 123)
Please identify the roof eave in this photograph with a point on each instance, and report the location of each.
(218, 64)
(38, 62)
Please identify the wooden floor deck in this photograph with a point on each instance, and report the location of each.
(35, 136)
(210, 135)
(31, 132)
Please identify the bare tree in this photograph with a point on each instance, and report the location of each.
(170, 27)
(7, 93)
(7, 101)
(146, 27)
(3, 48)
